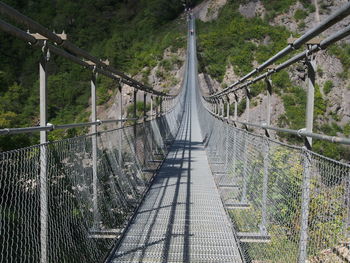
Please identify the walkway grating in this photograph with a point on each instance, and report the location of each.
(182, 219)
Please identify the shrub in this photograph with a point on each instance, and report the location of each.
(300, 14)
(327, 87)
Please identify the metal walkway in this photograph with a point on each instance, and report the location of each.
(182, 219)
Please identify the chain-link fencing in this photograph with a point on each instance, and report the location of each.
(84, 218)
(287, 204)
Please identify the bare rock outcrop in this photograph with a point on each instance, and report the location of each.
(209, 9)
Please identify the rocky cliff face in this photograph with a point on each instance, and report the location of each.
(209, 9)
(330, 70)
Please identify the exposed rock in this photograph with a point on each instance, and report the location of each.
(258, 113)
(252, 9)
(287, 19)
(209, 9)
(207, 84)
(230, 76)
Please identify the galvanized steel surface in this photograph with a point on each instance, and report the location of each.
(182, 218)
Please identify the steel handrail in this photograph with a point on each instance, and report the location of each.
(330, 21)
(38, 28)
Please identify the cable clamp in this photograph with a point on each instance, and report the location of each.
(51, 126)
(300, 132)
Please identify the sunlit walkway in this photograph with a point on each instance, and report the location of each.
(182, 218)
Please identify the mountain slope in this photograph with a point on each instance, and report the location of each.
(132, 34)
(248, 32)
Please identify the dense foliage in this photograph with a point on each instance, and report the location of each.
(131, 34)
(243, 43)
(233, 39)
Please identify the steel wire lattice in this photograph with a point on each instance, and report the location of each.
(267, 187)
(79, 231)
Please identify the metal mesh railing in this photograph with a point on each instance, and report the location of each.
(287, 204)
(77, 229)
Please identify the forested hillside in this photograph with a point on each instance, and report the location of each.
(132, 34)
(248, 32)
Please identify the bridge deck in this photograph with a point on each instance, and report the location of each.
(182, 218)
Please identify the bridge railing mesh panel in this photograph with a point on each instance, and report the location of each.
(264, 184)
(78, 231)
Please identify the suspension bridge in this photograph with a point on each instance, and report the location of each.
(187, 182)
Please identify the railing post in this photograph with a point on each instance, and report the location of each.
(305, 200)
(311, 67)
(236, 108)
(268, 102)
(151, 113)
(223, 108)
(263, 226)
(228, 109)
(227, 132)
(213, 105)
(235, 136)
(144, 106)
(43, 157)
(144, 127)
(120, 125)
(247, 104)
(151, 128)
(245, 170)
(245, 165)
(135, 121)
(161, 105)
(217, 107)
(94, 149)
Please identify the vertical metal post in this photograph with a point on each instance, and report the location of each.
(214, 104)
(305, 200)
(236, 108)
(247, 104)
(135, 121)
(311, 67)
(120, 125)
(268, 100)
(235, 137)
(245, 154)
(222, 108)
(245, 170)
(227, 133)
(144, 107)
(151, 128)
(228, 108)
(43, 157)
(94, 149)
(151, 107)
(144, 127)
(263, 226)
(161, 105)
(217, 107)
